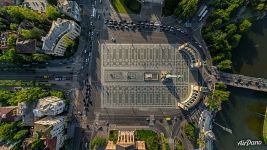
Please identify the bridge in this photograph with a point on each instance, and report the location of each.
(236, 80)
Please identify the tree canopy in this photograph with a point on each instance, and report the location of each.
(150, 137)
(40, 57)
(68, 42)
(33, 33)
(26, 95)
(29, 95)
(186, 8)
(52, 12)
(11, 40)
(13, 131)
(219, 95)
(17, 14)
(244, 25)
(9, 56)
(190, 131)
(222, 32)
(97, 142)
(38, 144)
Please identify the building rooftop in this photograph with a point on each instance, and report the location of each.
(58, 29)
(38, 5)
(50, 121)
(70, 8)
(26, 46)
(44, 126)
(126, 142)
(7, 2)
(3, 40)
(8, 113)
(49, 106)
(25, 24)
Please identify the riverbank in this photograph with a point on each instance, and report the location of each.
(264, 130)
(241, 112)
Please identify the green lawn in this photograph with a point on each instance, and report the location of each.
(126, 6)
(151, 138)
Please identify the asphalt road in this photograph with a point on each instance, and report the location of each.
(34, 76)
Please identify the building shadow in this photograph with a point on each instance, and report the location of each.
(245, 53)
(171, 87)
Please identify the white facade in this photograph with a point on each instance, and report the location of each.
(70, 8)
(38, 5)
(56, 125)
(50, 106)
(53, 42)
(60, 140)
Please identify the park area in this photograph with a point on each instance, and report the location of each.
(126, 6)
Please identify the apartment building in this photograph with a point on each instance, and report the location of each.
(50, 106)
(54, 42)
(70, 8)
(51, 129)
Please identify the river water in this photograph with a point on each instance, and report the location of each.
(242, 113)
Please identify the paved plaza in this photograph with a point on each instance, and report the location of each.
(131, 75)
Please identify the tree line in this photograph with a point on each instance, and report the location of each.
(222, 32)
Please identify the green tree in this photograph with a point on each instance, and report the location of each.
(186, 8)
(40, 57)
(17, 14)
(52, 12)
(113, 136)
(5, 95)
(190, 131)
(217, 23)
(20, 135)
(150, 137)
(33, 33)
(231, 29)
(24, 58)
(9, 56)
(28, 95)
(261, 7)
(11, 40)
(57, 93)
(38, 144)
(245, 25)
(2, 26)
(219, 95)
(97, 142)
(13, 26)
(179, 145)
(235, 39)
(218, 58)
(68, 42)
(7, 130)
(225, 65)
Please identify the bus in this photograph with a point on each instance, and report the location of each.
(203, 15)
(93, 13)
(202, 11)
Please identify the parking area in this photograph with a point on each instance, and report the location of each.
(124, 71)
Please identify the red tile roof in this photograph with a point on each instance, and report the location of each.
(51, 144)
(7, 114)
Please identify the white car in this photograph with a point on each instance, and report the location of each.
(90, 54)
(85, 51)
